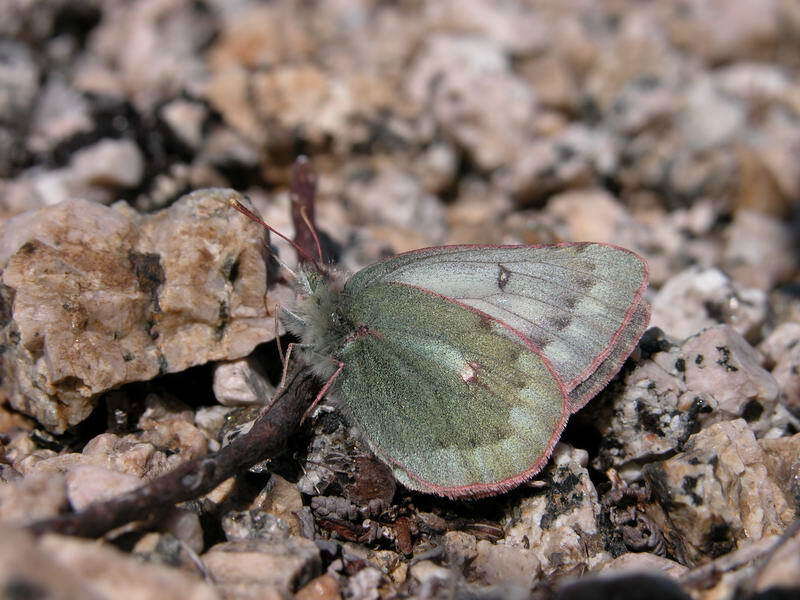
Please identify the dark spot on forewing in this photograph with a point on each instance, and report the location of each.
(560, 322)
(569, 302)
(584, 282)
(539, 340)
(503, 277)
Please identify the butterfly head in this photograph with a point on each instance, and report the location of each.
(318, 317)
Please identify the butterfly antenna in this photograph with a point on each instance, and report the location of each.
(237, 204)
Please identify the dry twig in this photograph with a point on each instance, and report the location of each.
(267, 438)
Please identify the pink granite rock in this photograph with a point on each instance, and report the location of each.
(98, 297)
(718, 493)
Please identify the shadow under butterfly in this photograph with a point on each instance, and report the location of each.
(462, 364)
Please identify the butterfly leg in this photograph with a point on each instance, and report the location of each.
(340, 366)
(324, 390)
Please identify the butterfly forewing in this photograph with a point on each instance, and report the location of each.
(581, 304)
(449, 397)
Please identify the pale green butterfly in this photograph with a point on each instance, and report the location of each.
(461, 364)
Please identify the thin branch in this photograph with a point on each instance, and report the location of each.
(267, 438)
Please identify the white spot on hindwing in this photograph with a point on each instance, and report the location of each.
(469, 372)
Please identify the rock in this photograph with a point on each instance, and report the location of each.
(324, 587)
(62, 567)
(782, 458)
(97, 172)
(759, 189)
(717, 493)
(282, 499)
(697, 298)
(210, 420)
(241, 382)
(146, 56)
(31, 498)
(721, 364)
(459, 547)
(758, 251)
(89, 483)
(25, 569)
(781, 573)
(108, 163)
(19, 81)
(427, 573)
(238, 422)
(98, 297)
(438, 168)
(385, 561)
(678, 390)
(254, 524)
(697, 131)
(364, 584)
(568, 159)
(170, 425)
(263, 566)
(638, 55)
(783, 339)
(516, 27)
(60, 113)
(111, 573)
(553, 80)
(754, 81)
(250, 38)
(776, 175)
(186, 119)
(633, 586)
(176, 544)
(129, 454)
(399, 205)
(184, 525)
(644, 562)
(653, 415)
(331, 455)
(782, 350)
(716, 31)
(472, 217)
(558, 523)
(500, 563)
(590, 215)
(493, 128)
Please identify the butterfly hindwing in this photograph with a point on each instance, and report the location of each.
(452, 399)
(622, 345)
(581, 304)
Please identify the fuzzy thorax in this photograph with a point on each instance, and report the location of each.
(318, 319)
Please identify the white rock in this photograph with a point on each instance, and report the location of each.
(89, 483)
(697, 298)
(241, 383)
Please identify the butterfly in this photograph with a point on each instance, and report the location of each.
(462, 364)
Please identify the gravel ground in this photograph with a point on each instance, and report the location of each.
(138, 309)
